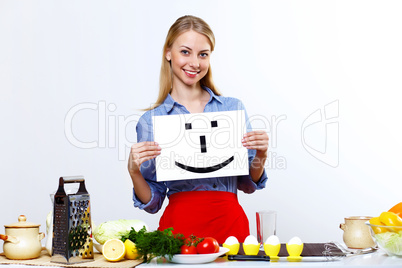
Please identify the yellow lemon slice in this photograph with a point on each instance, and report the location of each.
(131, 250)
(114, 250)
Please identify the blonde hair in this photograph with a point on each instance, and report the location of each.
(181, 25)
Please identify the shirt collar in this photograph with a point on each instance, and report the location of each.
(213, 95)
(169, 102)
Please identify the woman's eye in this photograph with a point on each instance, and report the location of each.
(185, 52)
(204, 55)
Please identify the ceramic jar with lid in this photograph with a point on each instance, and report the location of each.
(22, 240)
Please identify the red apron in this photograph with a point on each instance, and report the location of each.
(216, 214)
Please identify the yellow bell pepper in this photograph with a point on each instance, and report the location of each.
(378, 230)
(391, 219)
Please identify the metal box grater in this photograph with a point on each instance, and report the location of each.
(72, 230)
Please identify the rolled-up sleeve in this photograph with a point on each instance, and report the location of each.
(246, 183)
(148, 171)
(158, 196)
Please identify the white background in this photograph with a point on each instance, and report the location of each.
(283, 59)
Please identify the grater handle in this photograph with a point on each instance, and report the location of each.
(73, 179)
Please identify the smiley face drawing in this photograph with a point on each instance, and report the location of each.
(188, 126)
(200, 145)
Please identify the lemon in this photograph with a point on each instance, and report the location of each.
(114, 250)
(131, 250)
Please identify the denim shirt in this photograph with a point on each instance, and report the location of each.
(161, 189)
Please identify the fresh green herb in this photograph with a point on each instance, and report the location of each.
(156, 243)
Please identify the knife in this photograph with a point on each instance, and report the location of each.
(248, 258)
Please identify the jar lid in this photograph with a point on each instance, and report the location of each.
(22, 223)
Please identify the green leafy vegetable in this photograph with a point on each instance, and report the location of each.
(116, 229)
(155, 244)
(390, 241)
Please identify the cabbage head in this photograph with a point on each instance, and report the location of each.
(116, 229)
(390, 241)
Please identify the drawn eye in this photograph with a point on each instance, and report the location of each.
(188, 125)
(214, 123)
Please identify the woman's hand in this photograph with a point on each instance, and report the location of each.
(140, 153)
(257, 140)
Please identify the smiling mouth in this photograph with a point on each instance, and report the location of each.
(204, 169)
(190, 73)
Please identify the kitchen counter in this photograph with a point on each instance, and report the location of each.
(376, 259)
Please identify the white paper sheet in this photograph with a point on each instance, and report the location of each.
(200, 145)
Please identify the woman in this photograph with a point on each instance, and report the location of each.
(203, 207)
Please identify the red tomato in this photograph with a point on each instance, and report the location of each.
(188, 249)
(208, 245)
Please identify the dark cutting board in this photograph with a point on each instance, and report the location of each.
(309, 249)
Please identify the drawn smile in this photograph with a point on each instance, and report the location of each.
(204, 169)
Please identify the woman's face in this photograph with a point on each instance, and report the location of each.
(189, 56)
